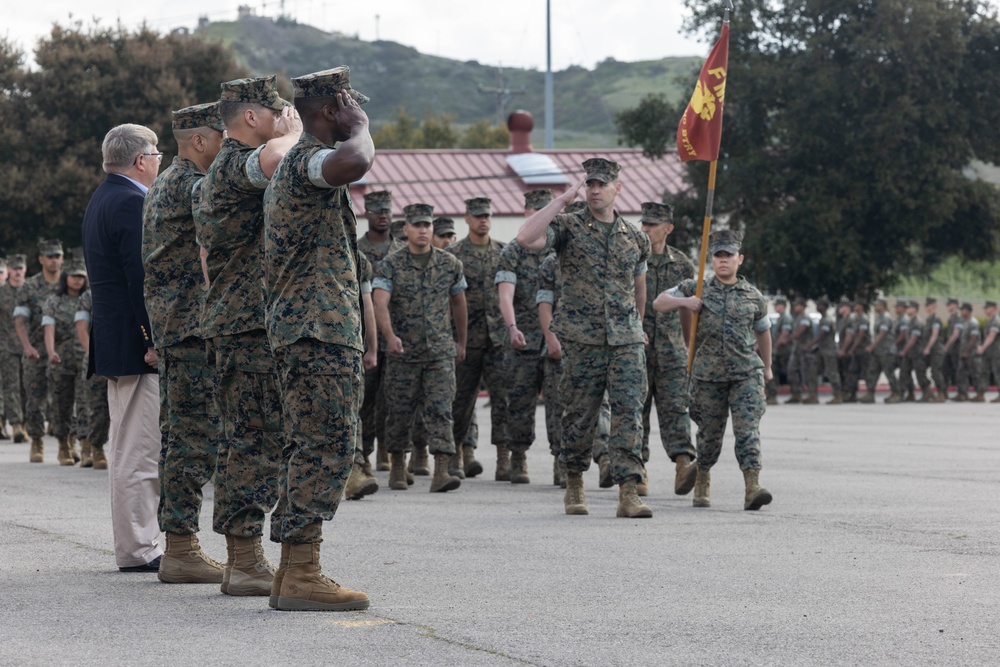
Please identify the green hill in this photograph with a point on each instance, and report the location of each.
(394, 76)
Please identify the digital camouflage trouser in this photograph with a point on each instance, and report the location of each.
(321, 395)
(422, 395)
(93, 419)
(668, 387)
(66, 385)
(486, 363)
(250, 438)
(36, 394)
(526, 377)
(190, 429)
(711, 405)
(858, 370)
(13, 387)
(827, 364)
(882, 362)
(970, 373)
(373, 407)
(588, 372)
(933, 362)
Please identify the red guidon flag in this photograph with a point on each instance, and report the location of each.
(700, 131)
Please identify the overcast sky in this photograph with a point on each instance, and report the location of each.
(584, 32)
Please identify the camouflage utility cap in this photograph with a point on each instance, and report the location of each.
(50, 247)
(599, 169)
(990, 304)
(967, 306)
(537, 199)
(199, 115)
(443, 226)
(396, 230)
(262, 91)
(802, 302)
(725, 240)
(781, 301)
(327, 83)
(882, 302)
(930, 301)
(17, 261)
(75, 265)
(656, 213)
(822, 302)
(379, 201)
(952, 301)
(418, 213)
(578, 206)
(479, 206)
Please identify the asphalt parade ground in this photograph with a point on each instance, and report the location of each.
(881, 548)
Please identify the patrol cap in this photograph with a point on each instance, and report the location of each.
(379, 201)
(396, 230)
(912, 304)
(822, 302)
(952, 301)
(781, 301)
(656, 213)
(725, 240)
(199, 115)
(882, 302)
(50, 247)
(17, 262)
(930, 301)
(443, 226)
(254, 90)
(966, 306)
(599, 169)
(479, 206)
(578, 206)
(327, 83)
(75, 264)
(537, 199)
(419, 213)
(990, 304)
(799, 301)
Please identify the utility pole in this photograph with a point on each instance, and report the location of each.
(549, 113)
(502, 93)
(376, 27)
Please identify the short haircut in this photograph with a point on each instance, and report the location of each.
(233, 111)
(307, 106)
(123, 144)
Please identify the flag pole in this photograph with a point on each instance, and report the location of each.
(705, 229)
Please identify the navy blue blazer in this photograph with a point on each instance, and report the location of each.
(112, 245)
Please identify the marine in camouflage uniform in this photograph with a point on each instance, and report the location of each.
(931, 355)
(989, 349)
(10, 349)
(826, 356)
(953, 332)
(802, 358)
(903, 362)
(728, 374)
(189, 417)
(517, 281)
(845, 334)
(28, 321)
(883, 355)
(666, 351)
(65, 356)
(781, 332)
(911, 351)
(416, 292)
(860, 357)
(229, 220)
(484, 358)
(376, 244)
(970, 364)
(599, 324)
(315, 326)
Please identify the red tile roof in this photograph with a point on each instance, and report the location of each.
(446, 178)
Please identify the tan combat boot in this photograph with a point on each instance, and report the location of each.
(796, 397)
(251, 572)
(19, 433)
(893, 398)
(97, 453)
(978, 398)
(442, 481)
(503, 464)
(629, 505)
(304, 588)
(227, 569)
(642, 486)
(184, 562)
(37, 454)
(279, 575)
(381, 457)
(812, 400)
(359, 484)
(605, 480)
(756, 497)
(456, 468)
(470, 466)
(942, 396)
(86, 457)
(575, 501)
(519, 468)
(73, 451)
(869, 397)
(702, 488)
(419, 462)
(65, 455)
(397, 472)
(684, 474)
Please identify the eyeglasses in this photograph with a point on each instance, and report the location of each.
(159, 156)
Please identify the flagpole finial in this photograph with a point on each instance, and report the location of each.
(728, 6)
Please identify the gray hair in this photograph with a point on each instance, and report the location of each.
(123, 144)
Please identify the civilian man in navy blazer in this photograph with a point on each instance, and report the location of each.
(121, 347)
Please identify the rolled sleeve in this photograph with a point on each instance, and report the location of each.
(640, 269)
(315, 168)
(255, 174)
(545, 296)
(22, 311)
(458, 287)
(81, 316)
(506, 277)
(763, 324)
(48, 320)
(382, 283)
(366, 287)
